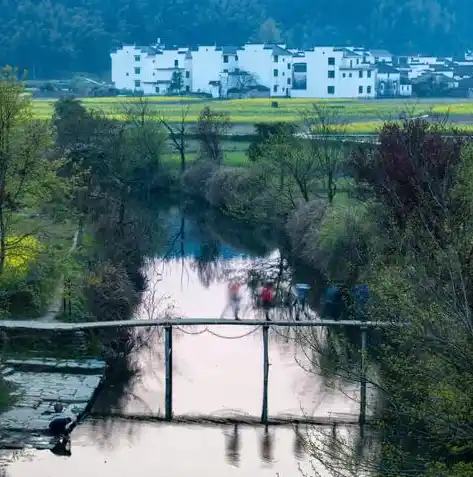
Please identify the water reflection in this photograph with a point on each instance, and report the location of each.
(233, 446)
(218, 373)
(266, 448)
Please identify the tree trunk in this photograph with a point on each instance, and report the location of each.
(3, 240)
(330, 188)
(183, 158)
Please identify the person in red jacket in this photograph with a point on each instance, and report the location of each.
(267, 296)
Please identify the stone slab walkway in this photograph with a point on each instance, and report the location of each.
(39, 384)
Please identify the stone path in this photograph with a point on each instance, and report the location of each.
(39, 384)
(56, 304)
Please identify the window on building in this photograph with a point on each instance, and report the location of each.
(275, 88)
(289, 66)
(137, 71)
(137, 84)
(357, 61)
(225, 58)
(368, 89)
(188, 88)
(331, 74)
(344, 75)
(188, 74)
(360, 74)
(236, 57)
(289, 81)
(154, 74)
(225, 71)
(128, 74)
(275, 73)
(284, 74)
(351, 63)
(300, 68)
(176, 63)
(368, 73)
(350, 75)
(331, 61)
(276, 58)
(330, 89)
(137, 58)
(157, 89)
(360, 89)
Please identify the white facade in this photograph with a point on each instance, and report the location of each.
(270, 65)
(149, 70)
(322, 72)
(327, 72)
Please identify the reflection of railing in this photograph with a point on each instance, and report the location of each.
(169, 324)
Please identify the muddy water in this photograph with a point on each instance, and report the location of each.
(217, 372)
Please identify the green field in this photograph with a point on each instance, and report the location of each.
(364, 116)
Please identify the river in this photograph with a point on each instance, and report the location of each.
(217, 372)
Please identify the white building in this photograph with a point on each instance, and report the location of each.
(388, 81)
(328, 72)
(252, 69)
(379, 56)
(151, 70)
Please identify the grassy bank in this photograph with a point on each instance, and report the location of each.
(364, 114)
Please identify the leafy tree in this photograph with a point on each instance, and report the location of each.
(27, 176)
(177, 82)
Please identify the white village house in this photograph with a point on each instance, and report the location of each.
(249, 70)
(273, 70)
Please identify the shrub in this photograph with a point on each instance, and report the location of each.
(29, 280)
(194, 180)
(303, 226)
(110, 293)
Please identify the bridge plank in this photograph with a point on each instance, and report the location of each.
(180, 322)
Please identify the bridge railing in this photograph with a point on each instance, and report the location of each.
(169, 324)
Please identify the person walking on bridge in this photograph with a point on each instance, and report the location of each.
(267, 296)
(234, 297)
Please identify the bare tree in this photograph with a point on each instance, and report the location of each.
(244, 80)
(211, 127)
(177, 134)
(320, 124)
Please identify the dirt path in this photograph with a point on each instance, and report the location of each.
(56, 303)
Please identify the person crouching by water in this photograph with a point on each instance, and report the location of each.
(267, 296)
(234, 297)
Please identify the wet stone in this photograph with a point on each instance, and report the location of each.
(36, 392)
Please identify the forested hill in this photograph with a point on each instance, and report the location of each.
(53, 38)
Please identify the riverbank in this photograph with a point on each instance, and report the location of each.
(38, 385)
(389, 234)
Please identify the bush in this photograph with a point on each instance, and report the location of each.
(194, 180)
(27, 285)
(110, 293)
(303, 226)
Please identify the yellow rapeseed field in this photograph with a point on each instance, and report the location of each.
(362, 114)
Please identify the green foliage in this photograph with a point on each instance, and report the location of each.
(60, 38)
(263, 134)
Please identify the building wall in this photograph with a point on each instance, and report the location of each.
(262, 64)
(124, 62)
(332, 75)
(388, 84)
(207, 63)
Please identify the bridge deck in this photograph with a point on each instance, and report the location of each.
(60, 326)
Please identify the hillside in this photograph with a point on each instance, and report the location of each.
(55, 38)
